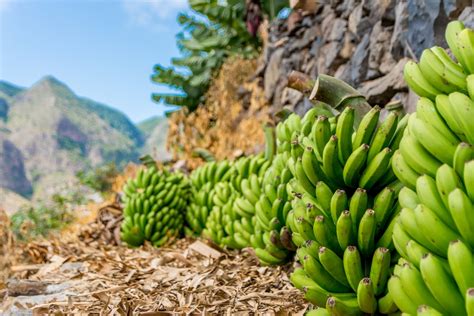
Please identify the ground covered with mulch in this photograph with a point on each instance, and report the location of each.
(87, 272)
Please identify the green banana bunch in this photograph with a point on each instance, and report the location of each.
(223, 195)
(434, 234)
(203, 181)
(231, 221)
(344, 211)
(350, 258)
(344, 158)
(437, 73)
(155, 202)
(272, 240)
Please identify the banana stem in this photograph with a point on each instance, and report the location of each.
(301, 82)
(270, 145)
(339, 95)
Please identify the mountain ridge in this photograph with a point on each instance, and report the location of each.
(58, 133)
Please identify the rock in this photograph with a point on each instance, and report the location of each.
(290, 97)
(348, 46)
(309, 36)
(345, 8)
(302, 107)
(467, 16)
(344, 72)
(339, 27)
(381, 10)
(326, 24)
(273, 72)
(421, 19)
(12, 169)
(358, 24)
(453, 8)
(328, 57)
(399, 35)
(359, 61)
(376, 46)
(384, 88)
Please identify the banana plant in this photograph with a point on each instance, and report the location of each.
(204, 45)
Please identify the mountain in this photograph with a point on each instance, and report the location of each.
(155, 130)
(48, 134)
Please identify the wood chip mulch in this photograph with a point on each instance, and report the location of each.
(83, 276)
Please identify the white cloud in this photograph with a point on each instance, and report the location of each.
(5, 4)
(152, 13)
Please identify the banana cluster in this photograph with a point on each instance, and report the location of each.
(343, 213)
(434, 232)
(203, 181)
(232, 220)
(435, 236)
(437, 73)
(154, 205)
(272, 240)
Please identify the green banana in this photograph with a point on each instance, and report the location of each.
(461, 261)
(366, 128)
(464, 153)
(355, 165)
(465, 40)
(353, 266)
(441, 285)
(366, 296)
(452, 31)
(462, 211)
(380, 270)
(417, 82)
(344, 126)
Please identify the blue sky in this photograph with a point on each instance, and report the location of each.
(102, 49)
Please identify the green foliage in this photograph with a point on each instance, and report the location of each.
(215, 31)
(99, 179)
(32, 222)
(69, 144)
(115, 118)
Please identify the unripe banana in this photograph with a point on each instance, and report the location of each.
(366, 296)
(425, 310)
(470, 302)
(428, 195)
(380, 270)
(366, 127)
(333, 265)
(461, 261)
(338, 204)
(340, 307)
(344, 127)
(462, 211)
(452, 31)
(353, 266)
(400, 297)
(441, 285)
(465, 39)
(417, 82)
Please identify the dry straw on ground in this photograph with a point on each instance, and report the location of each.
(230, 122)
(89, 275)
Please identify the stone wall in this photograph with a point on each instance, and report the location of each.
(365, 43)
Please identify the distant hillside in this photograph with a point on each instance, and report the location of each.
(155, 130)
(48, 134)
